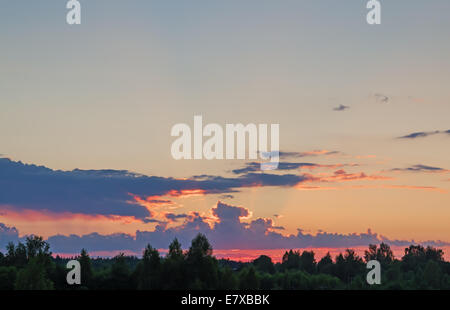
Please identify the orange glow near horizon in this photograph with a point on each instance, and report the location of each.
(250, 255)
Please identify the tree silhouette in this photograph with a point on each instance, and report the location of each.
(120, 274)
(201, 265)
(291, 260)
(149, 269)
(432, 275)
(29, 265)
(175, 250)
(173, 271)
(383, 254)
(348, 265)
(86, 268)
(264, 263)
(325, 265)
(248, 279)
(33, 277)
(308, 262)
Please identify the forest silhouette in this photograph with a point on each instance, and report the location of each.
(31, 266)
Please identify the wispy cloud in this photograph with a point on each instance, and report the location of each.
(341, 107)
(421, 168)
(380, 98)
(343, 176)
(308, 153)
(423, 134)
(372, 186)
(254, 166)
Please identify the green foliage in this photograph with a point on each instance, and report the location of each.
(86, 268)
(325, 265)
(30, 266)
(248, 279)
(149, 270)
(201, 266)
(120, 274)
(7, 277)
(33, 277)
(228, 279)
(291, 260)
(264, 264)
(173, 268)
(348, 266)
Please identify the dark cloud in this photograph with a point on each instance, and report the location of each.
(229, 232)
(93, 242)
(308, 153)
(254, 166)
(423, 134)
(420, 168)
(380, 98)
(175, 217)
(341, 107)
(110, 192)
(219, 184)
(7, 234)
(226, 196)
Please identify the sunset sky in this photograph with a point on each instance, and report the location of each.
(86, 114)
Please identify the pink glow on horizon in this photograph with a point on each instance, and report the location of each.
(250, 255)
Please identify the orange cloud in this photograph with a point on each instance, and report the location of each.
(44, 215)
(186, 193)
(342, 176)
(411, 187)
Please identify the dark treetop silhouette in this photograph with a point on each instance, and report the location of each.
(31, 266)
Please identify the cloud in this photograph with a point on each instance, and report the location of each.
(421, 168)
(93, 242)
(113, 192)
(226, 196)
(308, 153)
(228, 231)
(254, 166)
(225, 212)
(413, 187)
(7, 234)
(380, 98)
(423, 134)
(119, 195)
(343, 176)
(172, 217)
(341, 107)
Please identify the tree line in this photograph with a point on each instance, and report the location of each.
(31, 266)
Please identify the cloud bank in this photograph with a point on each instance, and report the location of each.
(226, 229)
(112, 192)
(423, 134)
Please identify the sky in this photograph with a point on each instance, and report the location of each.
(86, 114)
